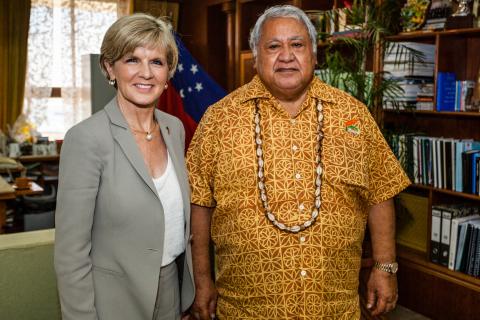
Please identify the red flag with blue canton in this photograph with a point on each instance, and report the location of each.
(190, 92)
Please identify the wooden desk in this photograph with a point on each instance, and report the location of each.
(19, 168)
(8, 192)
(30, 159)
(45, 168)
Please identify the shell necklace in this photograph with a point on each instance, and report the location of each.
(261, 177)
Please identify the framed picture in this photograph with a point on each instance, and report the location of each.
(157, 8)
(247, 71)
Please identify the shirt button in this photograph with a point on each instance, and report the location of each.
(301, 206)
(303, 273)
(294, 147)
(302, 239)
(298, 176)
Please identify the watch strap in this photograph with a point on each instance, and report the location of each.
(391, 267)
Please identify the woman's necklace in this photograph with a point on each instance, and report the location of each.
(261, 177)
(149, 135)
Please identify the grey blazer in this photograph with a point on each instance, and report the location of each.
(110, 223)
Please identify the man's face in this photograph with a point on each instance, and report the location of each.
(285, 60)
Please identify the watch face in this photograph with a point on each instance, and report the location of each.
(394, 267)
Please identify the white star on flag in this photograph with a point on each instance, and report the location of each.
(180, 67)
(194, 68)
(198, 86)
(189, 89)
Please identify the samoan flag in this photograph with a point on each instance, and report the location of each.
(190, 92)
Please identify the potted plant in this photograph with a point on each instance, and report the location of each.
(347, 61)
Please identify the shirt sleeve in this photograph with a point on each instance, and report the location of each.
(79, 179)
(201, 160)
(386, 178)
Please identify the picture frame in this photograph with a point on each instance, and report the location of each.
(247, 70)
(168, 9)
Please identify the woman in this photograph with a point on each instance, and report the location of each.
(123, 209)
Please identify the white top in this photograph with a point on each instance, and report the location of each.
(170, 195)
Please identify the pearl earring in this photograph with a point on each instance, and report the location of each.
(166, 86)
(111, 82)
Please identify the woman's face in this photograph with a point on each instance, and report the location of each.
(141, 76)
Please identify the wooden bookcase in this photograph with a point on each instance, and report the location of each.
(425, 287)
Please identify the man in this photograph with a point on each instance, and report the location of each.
(285, 173)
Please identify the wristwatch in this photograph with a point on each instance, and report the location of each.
(391, 267)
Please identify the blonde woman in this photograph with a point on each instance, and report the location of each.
(123, 210)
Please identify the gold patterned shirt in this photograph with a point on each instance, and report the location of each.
(266, 273)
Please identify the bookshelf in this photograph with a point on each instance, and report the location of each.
(424, 286)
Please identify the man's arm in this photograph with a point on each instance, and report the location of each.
(382, 286)
(205, 292)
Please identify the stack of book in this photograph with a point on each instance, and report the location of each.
(400, 59)
(437, 15)
(415, 77)
(444, 163)
(425, 97)
(417, 95)
(455, 237)
(435, 24)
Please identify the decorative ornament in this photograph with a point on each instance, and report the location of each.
(463, 9)
(261, 176)
(413, 14)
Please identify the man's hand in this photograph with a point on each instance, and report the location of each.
(382, 292)
(382, 286)
(205, 303)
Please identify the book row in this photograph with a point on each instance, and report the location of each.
(444, 163)
(454, 94)
(455, 237)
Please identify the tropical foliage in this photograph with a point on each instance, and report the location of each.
(346, 62)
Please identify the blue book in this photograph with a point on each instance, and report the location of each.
(446, 87)
(458, 165)
(462, 146)
(458, 94)
(469, 169)
(475, 156)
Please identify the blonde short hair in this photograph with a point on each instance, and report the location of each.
(138, 30)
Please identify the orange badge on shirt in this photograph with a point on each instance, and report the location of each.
(352, 126)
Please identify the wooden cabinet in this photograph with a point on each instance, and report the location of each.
(425, 287)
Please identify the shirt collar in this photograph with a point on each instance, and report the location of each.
(255, 89)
